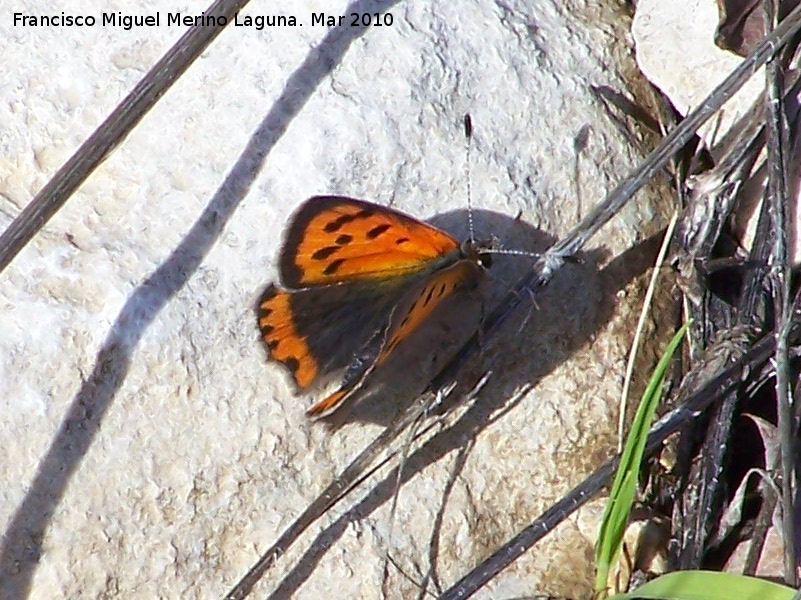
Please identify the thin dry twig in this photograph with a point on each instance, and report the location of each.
(780, 275)
(410, 437)
(635, 344)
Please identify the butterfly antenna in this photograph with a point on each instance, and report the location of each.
(576, 260)
(468, 135)
(513, 252)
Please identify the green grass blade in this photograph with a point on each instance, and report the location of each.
(621, 496)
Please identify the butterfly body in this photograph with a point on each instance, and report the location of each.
(357, 280)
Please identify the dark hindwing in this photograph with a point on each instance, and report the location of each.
(415, 306)
(314, 331)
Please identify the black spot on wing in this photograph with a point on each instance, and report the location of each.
(333, 267)
(344, 239)
(324, 253)
(377, 230)
(337, 223)
(292, 364)
(343, 220)
(403, 240)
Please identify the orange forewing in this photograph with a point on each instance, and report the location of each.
(355, 272)
(333, 239)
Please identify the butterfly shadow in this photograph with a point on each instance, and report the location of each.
(561, 316)
(544, 333)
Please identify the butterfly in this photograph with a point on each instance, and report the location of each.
(357, 279)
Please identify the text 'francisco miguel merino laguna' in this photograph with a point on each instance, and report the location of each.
(154, 20)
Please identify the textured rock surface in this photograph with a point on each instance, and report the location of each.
(148, 450)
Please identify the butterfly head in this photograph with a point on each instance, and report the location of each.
(479, 252)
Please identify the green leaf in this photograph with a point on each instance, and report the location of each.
(709, 585)
(621, 496)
